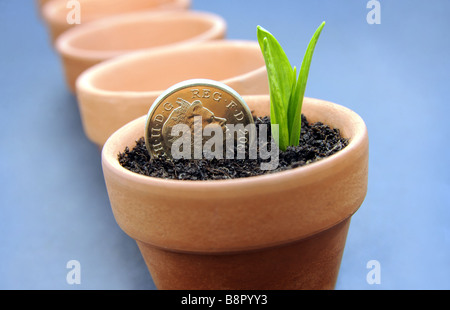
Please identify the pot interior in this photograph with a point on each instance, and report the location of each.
(144, 32)
(154, 72)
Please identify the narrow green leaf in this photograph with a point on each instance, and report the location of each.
(296, 100)
(281, 78)
(278, 109)
(290, 116)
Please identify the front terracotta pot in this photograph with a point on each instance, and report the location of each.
(120, 90)
(285, 230)
(89, 44)
(56, 12)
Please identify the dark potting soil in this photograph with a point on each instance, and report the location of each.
(317, 141)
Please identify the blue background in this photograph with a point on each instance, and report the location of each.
(54, 205)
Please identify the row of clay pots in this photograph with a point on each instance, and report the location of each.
(92, 43)
(285, 230)
(157, 49)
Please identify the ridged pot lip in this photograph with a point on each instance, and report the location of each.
(51, 9)
(313, 172)
(64, 43)
(86, 86)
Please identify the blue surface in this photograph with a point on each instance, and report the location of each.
(54, 205)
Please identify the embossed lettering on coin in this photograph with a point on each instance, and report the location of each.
(196, 109)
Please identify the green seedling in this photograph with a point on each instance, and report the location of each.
(286, 89)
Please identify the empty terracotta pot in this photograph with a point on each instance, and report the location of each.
(119, 90)
(40, 5)
(55, 12)
(89, 44)
(285, 230)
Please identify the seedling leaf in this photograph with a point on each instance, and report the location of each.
(281, 78)
(296, 102)
(286, 90)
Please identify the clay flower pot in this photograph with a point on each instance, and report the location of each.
(89, 44)
(55, 12)
(285, 230)
(119, 90)
(41, 3)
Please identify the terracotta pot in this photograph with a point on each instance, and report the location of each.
(285, 230)
(55, 12)
(41, 3)
(119, 90)
(89, 44)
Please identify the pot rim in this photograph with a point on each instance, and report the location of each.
(85, 84)
(304, 175)
(63, 44)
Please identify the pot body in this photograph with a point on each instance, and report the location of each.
(285, 230)
(311, 263)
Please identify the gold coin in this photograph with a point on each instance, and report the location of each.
(193, 103)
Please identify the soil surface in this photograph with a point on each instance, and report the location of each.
(317, 141)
